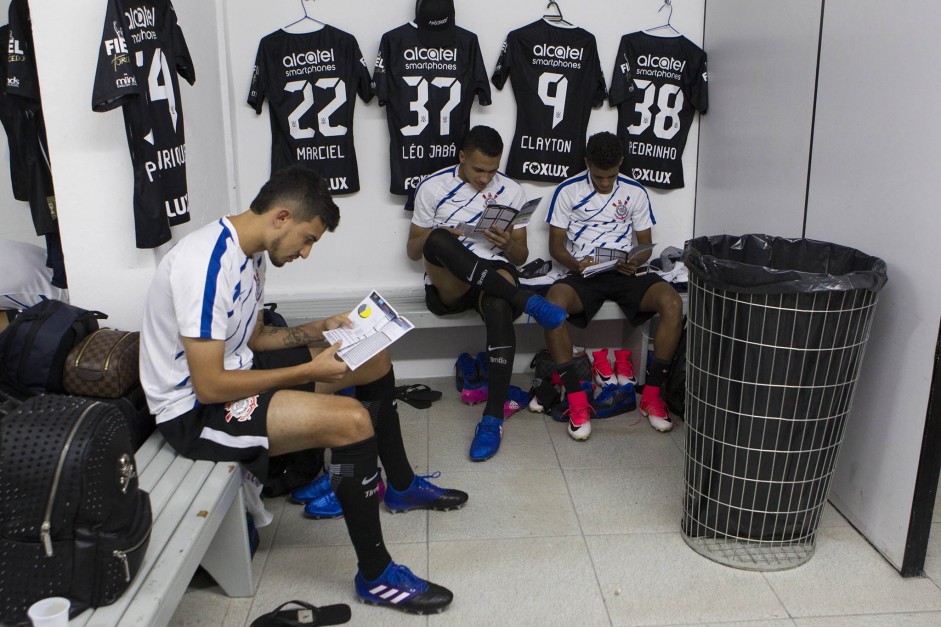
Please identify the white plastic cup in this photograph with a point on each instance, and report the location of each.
(51, 612)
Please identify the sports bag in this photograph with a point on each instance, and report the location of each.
(73, 521)
(34, 347)
(104, 364)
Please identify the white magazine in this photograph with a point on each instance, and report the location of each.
(501, 216)
(376, 325)
(607, 258)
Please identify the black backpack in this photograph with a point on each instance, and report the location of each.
(674, 389)
(73, 521)
(33, 349)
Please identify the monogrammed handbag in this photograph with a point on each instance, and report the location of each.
(104, 364)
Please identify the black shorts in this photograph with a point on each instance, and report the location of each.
(470, 299)
(236, 431)
(626, 291)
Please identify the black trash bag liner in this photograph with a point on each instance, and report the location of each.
(777, 333)
(763, 264)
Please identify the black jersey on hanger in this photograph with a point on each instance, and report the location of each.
(557, 79)
(13, 118)
(658, 84)
(22, 86)
(428, 94)
(142, 51)
(311, 81)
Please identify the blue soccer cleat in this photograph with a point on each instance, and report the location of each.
(399, 588)
(546, 314)
(487, 438)
(423, 494)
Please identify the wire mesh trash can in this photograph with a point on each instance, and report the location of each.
(776, 333)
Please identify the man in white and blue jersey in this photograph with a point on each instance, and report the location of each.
(225, 387)
(602, 208)
(468, 272)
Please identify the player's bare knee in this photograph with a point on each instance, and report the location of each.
(378, 365)
(671, 309)
(357, 425)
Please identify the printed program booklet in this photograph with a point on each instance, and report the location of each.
(376, 325)
(607, 258)
(501, 216)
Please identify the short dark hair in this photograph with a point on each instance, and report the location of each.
(484, 139)
(604, 150)
(302, 189)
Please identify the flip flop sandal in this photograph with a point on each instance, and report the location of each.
(418, 395)
(306, 614)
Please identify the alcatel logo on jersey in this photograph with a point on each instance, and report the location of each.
(312, 57)
(430, 54)
(558, 52)
(141, 17)
(661, 63)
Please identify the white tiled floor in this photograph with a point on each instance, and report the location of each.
(559, 532)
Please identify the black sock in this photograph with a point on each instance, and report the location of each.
(354, 477)
(501, 348)
(568, 372)
(378, 397)
(443, 249)
(656, 372)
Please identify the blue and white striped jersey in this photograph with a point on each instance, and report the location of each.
(205, 287)
(592, 219)
(443, 199)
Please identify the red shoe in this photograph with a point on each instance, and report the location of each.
(654, 409)
(623, 369)
(601, 369)
(579, 416)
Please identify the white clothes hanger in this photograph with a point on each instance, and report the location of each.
(306, 24)
(664, 30)
(555, 18)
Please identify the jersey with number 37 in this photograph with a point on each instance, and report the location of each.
(658, 84)
(311, 81)
(142, 50)
(428, 94)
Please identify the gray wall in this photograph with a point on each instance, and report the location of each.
(872, 157)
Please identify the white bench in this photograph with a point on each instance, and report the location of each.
(199, 519)
(410, 303)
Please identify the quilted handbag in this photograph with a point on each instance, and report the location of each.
(103, 365)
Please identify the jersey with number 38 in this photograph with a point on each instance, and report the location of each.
(658, 84)
(311, 81)
(142, 50)
(557, 79)
(428, 94)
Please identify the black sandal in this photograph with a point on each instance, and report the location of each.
(307, 614)
(418, 395)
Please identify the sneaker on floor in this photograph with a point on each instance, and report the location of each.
(558, 410)
(543, 396)
(487, 438)
(423, 494)
(601, 368)
(327, 505)
(615, 400)
(399, 588)
(516, 399)
(579, 416)
(483, 367)
(313, 490)
(465, 373)
(655, 410)
(473, 396)
(546, 314)
(623, 369)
